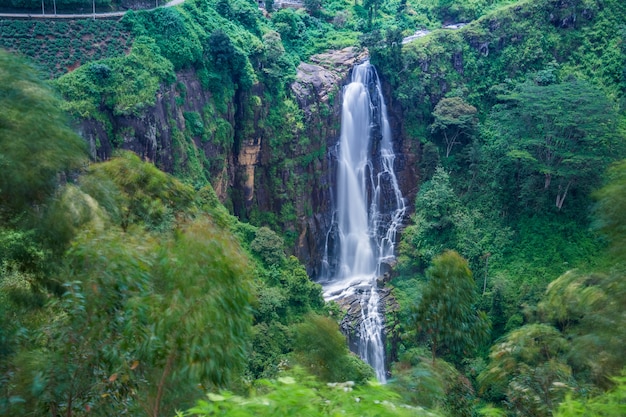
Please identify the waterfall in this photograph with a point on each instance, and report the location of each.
(369, 208)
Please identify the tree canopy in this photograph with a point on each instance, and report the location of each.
(446, 313)
(455, 119)
(554, 139)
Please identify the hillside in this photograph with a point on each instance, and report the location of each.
(136, 282)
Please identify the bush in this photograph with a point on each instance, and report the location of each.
(268, 246)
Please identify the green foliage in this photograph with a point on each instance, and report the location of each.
(552, 139)
(194, 123)
(303, 396)
(277, 67)
(585, 307)
(431, 233)
(455, 119)
(446, 313)
(284, 297)
(433, 385)
(611, 220)
(121, 332)
(71, 211)
(19, 250)
(131, 85)
(204, 277)
(36, 144)
(321, 349)
(608, 404)
(442, 221)
(268, 246)
(313, 6)
(132, 324)
(172, 33)
(456, 11)
(528, 368)
(304, 294)
(136, 192)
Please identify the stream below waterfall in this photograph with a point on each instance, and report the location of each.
(368, 210)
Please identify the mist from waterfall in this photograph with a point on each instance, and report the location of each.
(369, 208)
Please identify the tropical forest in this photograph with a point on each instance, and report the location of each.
(313, 208)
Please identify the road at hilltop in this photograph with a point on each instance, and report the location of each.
(79, 15)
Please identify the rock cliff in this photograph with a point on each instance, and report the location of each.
(162, 134)
(187, 132)
(318, 90)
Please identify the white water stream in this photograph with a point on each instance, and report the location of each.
(369, 208)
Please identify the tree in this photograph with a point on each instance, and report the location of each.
(553, 138)
(224, 8)
(437, 385)
(433, 230)
(321, 348)
(446, 314)
(528, 369)
(144, 321)
(229, 60)
(588, 309)
(372, 7)
(455, 119)
(268, 246)
(276, 65)
(441, 222)
(36, 142)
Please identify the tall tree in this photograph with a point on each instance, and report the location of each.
(455, 119)
(553, 138)
(446, 314)
(36, 142)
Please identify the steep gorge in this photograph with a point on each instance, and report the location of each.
(248, 172)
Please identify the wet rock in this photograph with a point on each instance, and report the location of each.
(387, 265)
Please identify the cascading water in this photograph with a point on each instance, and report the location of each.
(369, 208)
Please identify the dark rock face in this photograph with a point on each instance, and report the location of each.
(152, 133)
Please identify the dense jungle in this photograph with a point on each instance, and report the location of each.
(167, 188)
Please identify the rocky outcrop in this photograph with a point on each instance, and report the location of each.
(353, 305)
(158, 134)
(318, 80)
(248, 159)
